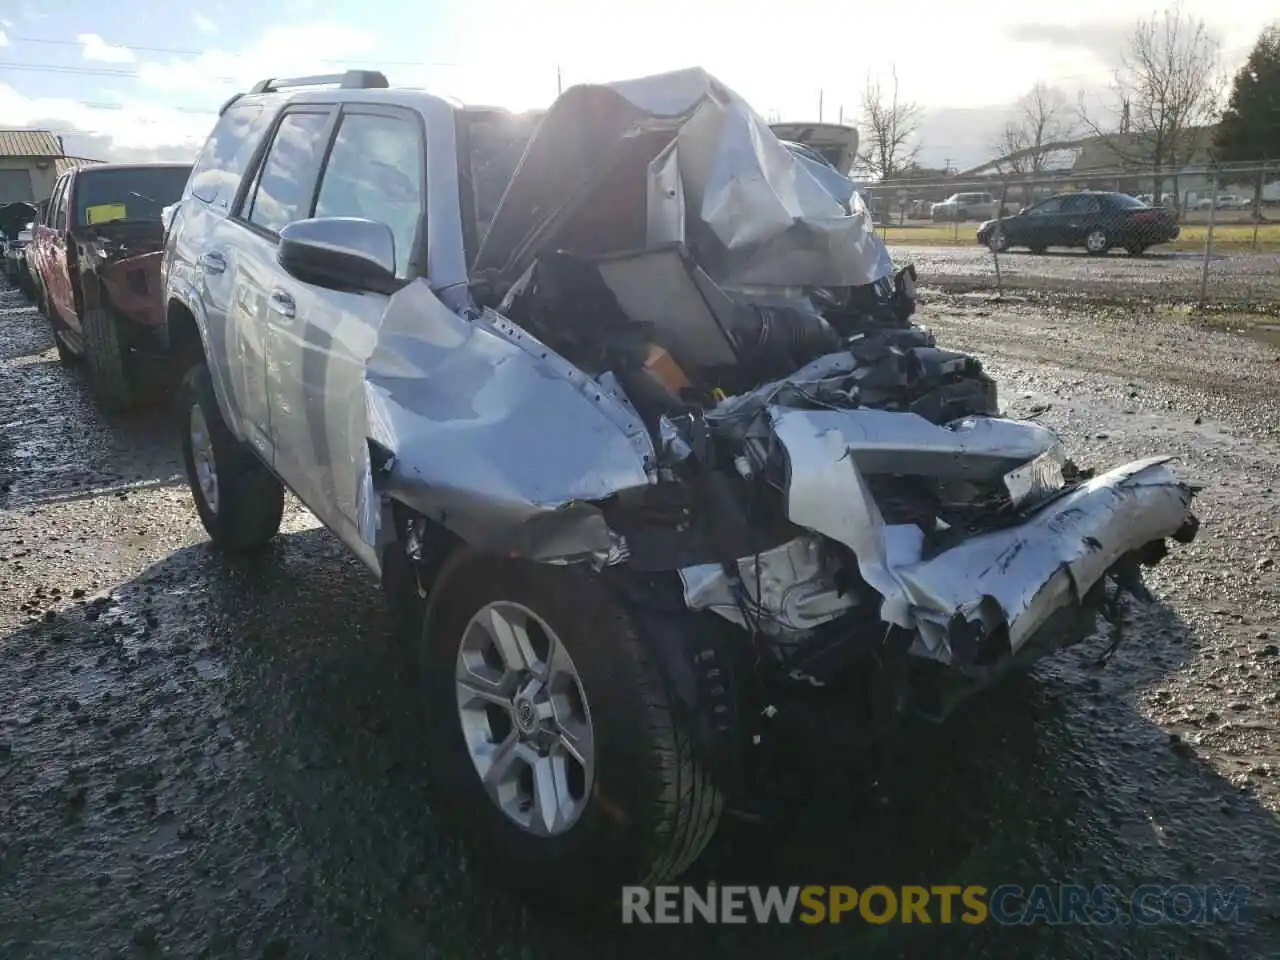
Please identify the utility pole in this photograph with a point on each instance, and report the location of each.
(819, 104)
(559, 81)
(946, 164)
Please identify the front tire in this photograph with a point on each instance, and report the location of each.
(239, 500)
(570, 798)
(107, 360)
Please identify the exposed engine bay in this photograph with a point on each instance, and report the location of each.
(691, 366)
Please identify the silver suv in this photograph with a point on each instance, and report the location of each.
(965, 206)
(625, 407)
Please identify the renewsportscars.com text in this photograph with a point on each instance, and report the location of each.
(1008, 904)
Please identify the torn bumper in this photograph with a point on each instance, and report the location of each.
(1016, 579)
(1009, 581)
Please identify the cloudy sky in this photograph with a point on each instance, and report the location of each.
(135, 78)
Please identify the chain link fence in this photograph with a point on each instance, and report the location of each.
(1204, 235)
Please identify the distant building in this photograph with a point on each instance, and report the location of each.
(28, 164)
(1119, 161)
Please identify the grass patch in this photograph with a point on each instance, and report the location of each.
(1227, 237)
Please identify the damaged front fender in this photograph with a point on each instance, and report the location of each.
(491, 434)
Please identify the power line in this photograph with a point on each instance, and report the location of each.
(187, 52)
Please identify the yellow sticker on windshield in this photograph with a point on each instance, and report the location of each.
(104, 213)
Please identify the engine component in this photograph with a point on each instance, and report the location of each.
(788, 589)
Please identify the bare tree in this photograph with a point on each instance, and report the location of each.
(1042, 119)
(1164, 94)
(890, 125)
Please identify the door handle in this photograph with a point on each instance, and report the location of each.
(282, 303)
(213, 262)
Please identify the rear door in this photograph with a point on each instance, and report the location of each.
(240, 258)
(319, 342)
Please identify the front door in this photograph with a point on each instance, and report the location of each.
(321, 338)
(54, 267)
(1043, 227)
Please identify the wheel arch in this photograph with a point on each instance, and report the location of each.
(183, 339)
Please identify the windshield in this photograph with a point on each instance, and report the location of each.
(495, 142)
(127, 193)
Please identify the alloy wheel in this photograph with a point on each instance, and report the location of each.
(525, 718)
(1096, 241)
(202, 457)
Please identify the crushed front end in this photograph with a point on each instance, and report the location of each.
(693, 368)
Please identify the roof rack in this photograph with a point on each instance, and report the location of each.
(351, 80)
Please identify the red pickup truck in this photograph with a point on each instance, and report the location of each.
(96, 255)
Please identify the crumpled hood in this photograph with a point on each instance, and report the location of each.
(677, 157)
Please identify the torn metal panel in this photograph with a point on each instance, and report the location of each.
(133, 287)
(787, 589)
(885, 441)
(126, 258)
(493, 435)
(677, 156)
(1055, 557)
(1013, 578)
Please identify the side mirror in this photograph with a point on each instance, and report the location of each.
(341, 253)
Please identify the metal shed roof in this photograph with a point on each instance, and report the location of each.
(29, 143)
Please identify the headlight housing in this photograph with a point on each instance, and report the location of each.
(1038, 479)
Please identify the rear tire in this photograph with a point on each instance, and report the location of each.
(242, 507)
(107, 360)
(646, 809)
(1137, 250)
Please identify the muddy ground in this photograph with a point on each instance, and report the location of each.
(1250, 280)
(200, 758)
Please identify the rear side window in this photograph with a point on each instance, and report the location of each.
(1126, 202)
(227, 153)
(282, 193)
(47, 206)
(60, 206)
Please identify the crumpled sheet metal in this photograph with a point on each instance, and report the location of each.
(896, 442)
(493, 435)
(706, 170)
(1019, 575)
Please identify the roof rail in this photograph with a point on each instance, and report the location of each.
(351, 80)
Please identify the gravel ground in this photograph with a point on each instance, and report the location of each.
(200, 758)
(1237, 280)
